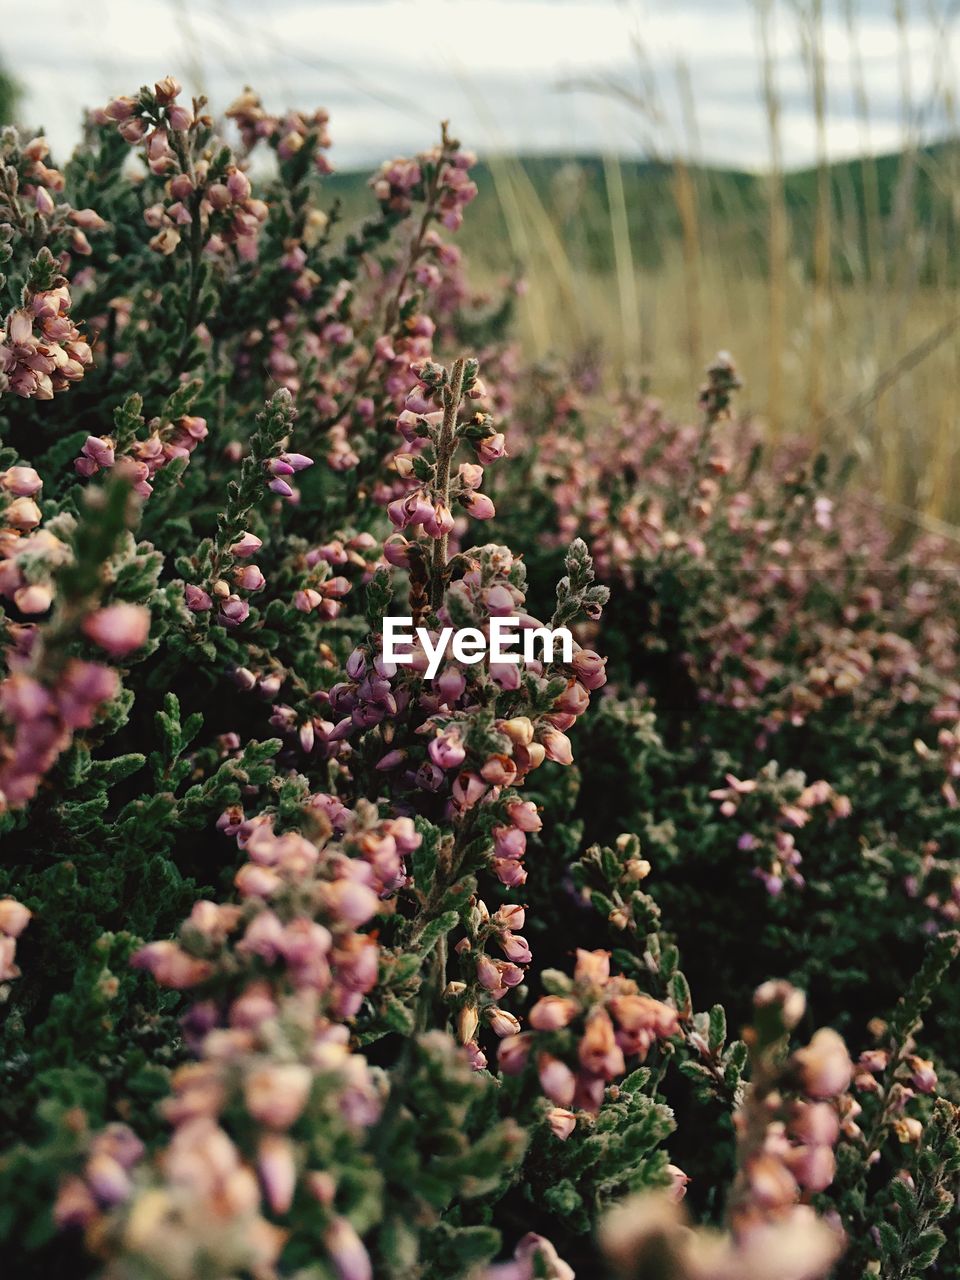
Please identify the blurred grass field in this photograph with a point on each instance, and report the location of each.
(657, 265)
(835, 287)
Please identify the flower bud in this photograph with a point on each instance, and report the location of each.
(556, 1080)
(14, 917)
(275, 1094)
(468, 1021)
(824, 1065)
(347, 1252)
(524, 815)
(22, 514)
(519, 730)
(562, 1122)
(118, 628)
(247, 545)
(196, 598)
(502, 1023)
(550, 1013)
(278, 1171)
(23, 482)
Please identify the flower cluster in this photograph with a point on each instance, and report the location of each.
(274, 978)
(42, 351)
(407, 1004)
(206, 194)
(41, 722)
(792, 801)
(398, 182)
(28, 554)
(294, 134)
(582, 1035)
(786, 1131)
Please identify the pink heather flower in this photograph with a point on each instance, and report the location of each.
(99, 449)
(551, 1013)
(247, 545)
(589, 668)
(23, 482)
(22, 514)
(278, 1171)
(467, 790)
(307, 599)
(179, 118)
(510, 872)
(561, 1122)
(499, 601)
(351, 902)
(396, 549)
(478, 505)
(824, 1065)
(296, 461)
(256, 882)
(678, 1183)
(509, 842)
(107, 1178)
(923, 1075)
(556, 1080)
(491, 448)
(249, 578)
(119, 628)
(347, 1251)
(488, 975)
(75, 1205)
(450, 684)
(499, 770)
(171, 966)
(471, 474)
(233, 611)
(439, 521)
(815, 1123)
(87, 220)
(8, 949)
(510, 916)
(276, 1093)
(524, 814)
(556, 745)
(335, 588)
(447, 750)
(14, 917)
(392, 760)
(506, 675)
(813, 1167)
(592, 967)
(197, 599)
(502, 1023)
(513, 1052)
(84, 687)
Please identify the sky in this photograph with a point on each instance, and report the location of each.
(526, 76)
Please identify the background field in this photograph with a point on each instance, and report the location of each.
(834, 286)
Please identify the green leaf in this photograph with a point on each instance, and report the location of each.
(717, 1035)
(437, 929)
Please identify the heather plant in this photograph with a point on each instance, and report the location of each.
(319, 963)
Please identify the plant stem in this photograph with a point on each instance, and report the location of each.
(446, 447)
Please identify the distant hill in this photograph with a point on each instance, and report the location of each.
(905, 193)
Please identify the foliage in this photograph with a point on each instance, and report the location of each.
(314, 965)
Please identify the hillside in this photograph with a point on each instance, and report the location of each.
(730, 210)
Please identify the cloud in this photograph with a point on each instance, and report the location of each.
(389, 70)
